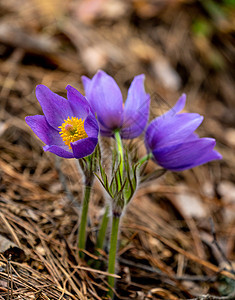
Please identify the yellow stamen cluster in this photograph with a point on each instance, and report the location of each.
(72, 130)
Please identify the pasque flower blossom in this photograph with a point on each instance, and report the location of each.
(105, 98)
(68, 127)
(172, 141)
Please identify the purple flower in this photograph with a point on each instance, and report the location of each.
(106, 101)
(172, 141)
(68, 128)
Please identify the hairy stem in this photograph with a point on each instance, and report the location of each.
(112, 252)
(116, 213)
(102, 230)
(120, 150)
(83, 222)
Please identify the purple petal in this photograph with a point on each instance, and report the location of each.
(180, 104)
(84, 147)
(43, 130)
(91, 126)
(208, 156)
(105, 132)
(136, 110)
(187, 155)
(105, 98)
(60, 151)
(192, 137)
(55, 108)
(168, 131)
(78, 103)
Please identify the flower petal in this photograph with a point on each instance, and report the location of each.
(43, 130)
(91, 126)
(78, 103)
(151, 136)
(208, 156)
(165, 132)
(105, 98)
(84, 147)
(187, 155)
(105, 132)
(180, 104)
(59, 150)
(55, 108)
(136, 110)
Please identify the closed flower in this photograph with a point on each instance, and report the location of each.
(105, 98)
(172, 142)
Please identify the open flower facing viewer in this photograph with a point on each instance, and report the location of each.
(129, 118)
(172, 143)
(68, 128)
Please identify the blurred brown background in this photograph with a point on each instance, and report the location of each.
(181, 46)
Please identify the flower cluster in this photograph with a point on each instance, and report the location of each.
(69, 128)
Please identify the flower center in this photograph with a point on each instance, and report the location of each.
(72, 130)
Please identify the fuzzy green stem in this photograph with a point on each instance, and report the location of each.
(112, 252)
(120, 150)
(116, 219)
(102, 230)
(83, 222)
